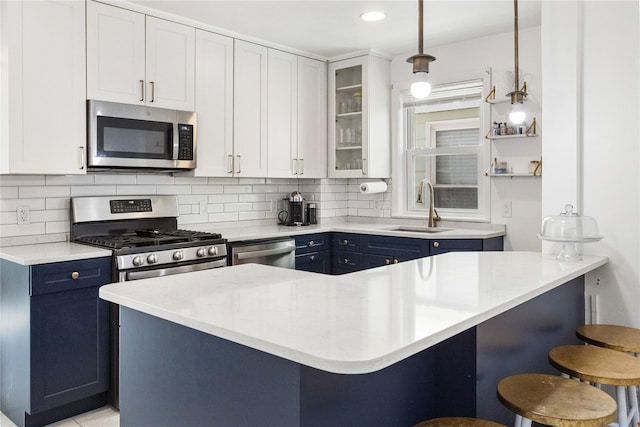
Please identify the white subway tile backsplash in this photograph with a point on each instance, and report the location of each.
(173, 189)
(237, 207)
(70, 180)
(207, 189)
(117, 179)
(91, 190)
(58, 227)
(55, 203)
(21, 180)
(154, 179)
(223, 217)
(228, 200)
(246, 216)
(9, 192)
(30, 192)
(135, 190)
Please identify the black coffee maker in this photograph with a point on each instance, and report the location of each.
(295, 212)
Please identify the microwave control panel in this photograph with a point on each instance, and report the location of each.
(185, 142)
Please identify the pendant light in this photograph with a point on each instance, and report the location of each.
(420, 87)
(518, 95)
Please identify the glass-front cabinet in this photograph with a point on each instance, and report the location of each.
(359, 132)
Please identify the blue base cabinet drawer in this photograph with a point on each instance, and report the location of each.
(313, 243)
(465, 245)
(397, 248)
(346, 262)
(316, 262)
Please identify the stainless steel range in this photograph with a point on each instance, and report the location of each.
(143, 233)
(144, 236)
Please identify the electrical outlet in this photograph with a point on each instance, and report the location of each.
(24, 216)
(506, 209)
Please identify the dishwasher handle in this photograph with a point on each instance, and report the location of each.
(265, 252)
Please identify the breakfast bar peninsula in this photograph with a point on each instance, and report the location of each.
(390, 346)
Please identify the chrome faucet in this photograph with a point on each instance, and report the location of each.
(433, 214)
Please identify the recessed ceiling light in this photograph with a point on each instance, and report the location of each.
(372, 16)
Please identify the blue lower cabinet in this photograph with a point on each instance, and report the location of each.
(55, 340)
(317, 262)
(346, 262)
(465, 245)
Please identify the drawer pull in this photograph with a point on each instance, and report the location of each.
(436, 244)
(346, 260)
(75, 275)
(395, 261)
(345, 242)
(311, 243)
(312, 257)
(387, 261)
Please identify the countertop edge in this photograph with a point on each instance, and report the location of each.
(350, 366)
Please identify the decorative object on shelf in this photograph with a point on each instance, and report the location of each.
(569, 228)
(518, 94)
(502, 130)
(420, 88)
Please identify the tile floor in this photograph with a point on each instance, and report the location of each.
(101, 417)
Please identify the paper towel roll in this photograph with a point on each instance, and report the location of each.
(373, 187)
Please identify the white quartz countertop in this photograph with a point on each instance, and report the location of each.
(51, 252)
(273, 231)
(68, 251)
(355, 323)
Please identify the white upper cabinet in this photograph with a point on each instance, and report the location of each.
(42, 82)
(214, 104)
(282, 125)
(297, 116)
(138, 59)
(359, 124)
(250, 110)
(312, 118)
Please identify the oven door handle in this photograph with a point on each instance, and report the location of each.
(266, 252)
(135, 275)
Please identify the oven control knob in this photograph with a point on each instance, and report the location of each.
(213, 251)
(152, 259)
(177, 255)
(137, 261)
(201, 252)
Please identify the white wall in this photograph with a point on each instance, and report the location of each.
(590, 55)
(468, 60)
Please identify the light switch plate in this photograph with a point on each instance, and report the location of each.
(506, 209)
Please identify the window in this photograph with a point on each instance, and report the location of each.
(443, 143)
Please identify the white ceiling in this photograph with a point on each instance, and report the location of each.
(331, 28)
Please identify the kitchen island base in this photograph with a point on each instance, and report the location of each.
(174, 375)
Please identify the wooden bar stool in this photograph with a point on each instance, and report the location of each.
(555, 401)
(600, 365)
(458, 422)
(615, 337)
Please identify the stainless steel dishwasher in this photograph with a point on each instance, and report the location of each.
(280, 252)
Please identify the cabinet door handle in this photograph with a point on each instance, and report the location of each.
(82, 157)
(436, 244)
(301, 168)
(294, 166)
(239, 170)
(141, 90)
(387, 261)
(395, 261)
(312, 257)
(229, 163)
(153, 91)
(364, 166)
(75, 275)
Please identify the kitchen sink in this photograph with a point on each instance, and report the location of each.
(418, 229)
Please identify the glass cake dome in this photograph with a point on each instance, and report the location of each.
(569, 228)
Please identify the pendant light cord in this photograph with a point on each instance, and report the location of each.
(515, 43)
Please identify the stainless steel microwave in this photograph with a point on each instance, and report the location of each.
(139, 137)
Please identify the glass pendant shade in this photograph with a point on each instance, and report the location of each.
(517, 114)
(420, 88)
